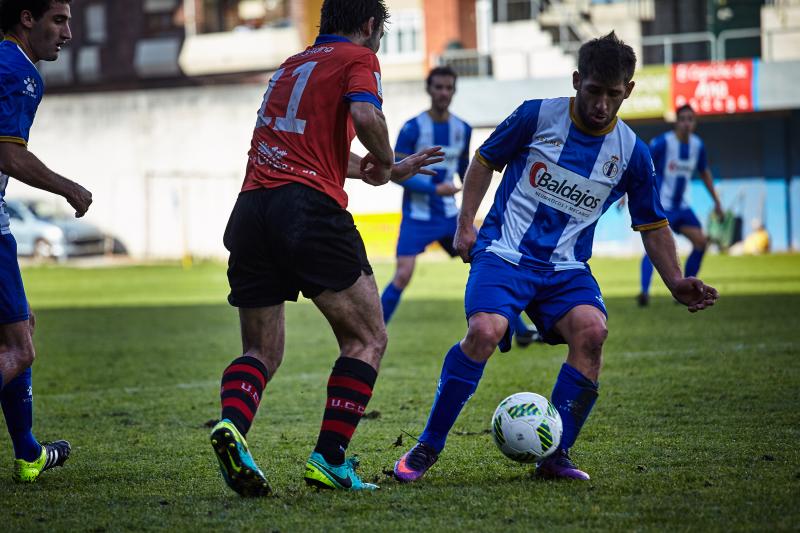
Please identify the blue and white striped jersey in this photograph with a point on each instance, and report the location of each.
(559, 179)
(676, 163)
(420, 201)
(21, 91)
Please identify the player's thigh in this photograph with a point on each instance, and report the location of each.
(695, 235)
(355, 316)
(583, 324)
(263, 334)
(415, 236)
(559, 294)
(497, 287)
(256, 237)
(404, 269)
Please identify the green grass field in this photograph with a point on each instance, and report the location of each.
(697, 425)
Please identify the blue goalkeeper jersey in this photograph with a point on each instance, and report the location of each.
(21, 91)
(559, 179)
(420, 201)
(676, 163)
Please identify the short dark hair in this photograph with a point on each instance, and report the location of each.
(347, 16)
(607, 58)
(10, 11)
(445, 70)
(684, 107)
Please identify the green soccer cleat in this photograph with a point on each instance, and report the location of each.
(53, 454)
(235, 462)
(324, 476)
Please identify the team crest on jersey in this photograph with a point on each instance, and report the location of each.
(611, 167)
(30, 87)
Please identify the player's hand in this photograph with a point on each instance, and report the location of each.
(464, 240)
(695, 294)
(621, 203)
(447, 189)
(80, 199)
(719, 211)
(415, 163)
(374, 172)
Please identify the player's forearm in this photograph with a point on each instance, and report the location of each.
(19, 163)
(371, 130)
(354, 166)
(476, 183)
(708, 179)
(660, 247)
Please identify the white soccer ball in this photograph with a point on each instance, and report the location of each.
(526, 427)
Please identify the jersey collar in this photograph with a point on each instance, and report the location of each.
(325, 38)
(580, 125)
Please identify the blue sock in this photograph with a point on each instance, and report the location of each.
(458, 381)
(647, 274)
(693, 263)
(16, 399)
(520, 327)
(389, 300)
(573, 396)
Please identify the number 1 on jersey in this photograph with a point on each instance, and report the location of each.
(290, 122)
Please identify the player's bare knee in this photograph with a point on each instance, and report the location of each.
(26, 356)
(592, 337)
(482, 338)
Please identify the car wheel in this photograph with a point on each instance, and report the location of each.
(42, 249)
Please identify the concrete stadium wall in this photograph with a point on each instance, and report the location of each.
(165, 166)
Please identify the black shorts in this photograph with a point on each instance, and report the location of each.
(290, 239)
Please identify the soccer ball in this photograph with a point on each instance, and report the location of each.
(526, 427)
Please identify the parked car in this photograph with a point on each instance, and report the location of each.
(44, 232)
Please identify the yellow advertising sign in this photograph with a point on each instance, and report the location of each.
(651, 96)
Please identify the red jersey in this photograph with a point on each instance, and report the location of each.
(304, 130)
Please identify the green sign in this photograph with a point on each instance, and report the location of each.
(651, 95)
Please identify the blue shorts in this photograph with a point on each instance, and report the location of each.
(499, 287)
(416, 235)
(13, 303)
(681, 218)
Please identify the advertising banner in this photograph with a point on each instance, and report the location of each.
(651, 96)
(714, 88)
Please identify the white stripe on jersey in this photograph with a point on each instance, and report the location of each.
(675, 167)
(545, 148)
(615, 144)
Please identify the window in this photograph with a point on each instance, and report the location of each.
(403, 38)
(95, 15)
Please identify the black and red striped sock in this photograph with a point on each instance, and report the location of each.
(242, 384)
(349, 390)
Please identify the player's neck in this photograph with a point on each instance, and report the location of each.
(23, 44)
(682, 138)
(439, 116)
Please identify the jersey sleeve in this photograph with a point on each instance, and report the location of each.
(463, 160)
(658, 151)
(643, 202)
(15, 120)
(407, 138)
(510, 136)
(363, 82)
(702, 163)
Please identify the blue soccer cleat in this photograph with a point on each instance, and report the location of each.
(235, 462)
(322, 475)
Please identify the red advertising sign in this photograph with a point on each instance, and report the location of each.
(713, 88)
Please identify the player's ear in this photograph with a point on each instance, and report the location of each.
(629, 88)
(26, 19)
(368, 28)
(576, 81)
